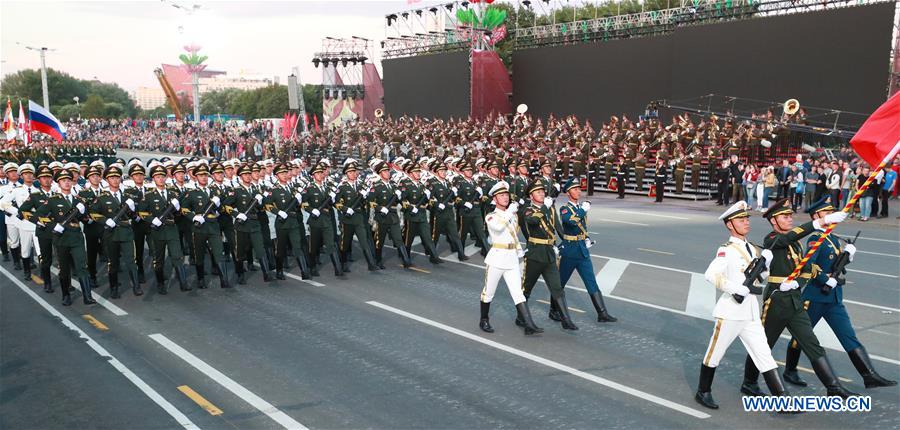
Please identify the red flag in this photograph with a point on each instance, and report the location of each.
(880, 134)
(316, 120)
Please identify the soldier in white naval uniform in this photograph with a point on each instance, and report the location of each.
(734, 319)
(7, 205)
(502, 259)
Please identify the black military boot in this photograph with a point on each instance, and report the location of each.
(135, 283)
(279, 268)
(140, 275)
(86, 290)
(776, 387)
(270, 256)
(750, 386)
(485, 324)
(704, 388)
(602, 314)
(404, 255)
(223, 277)
(26, 265)
(790, 367)
(314, 265)
(554, 312)
(160, 281)
(337, 265)
(239, 269)
(563, 308)
(114, 285)
(181, 272)
(520, 319)
(17, 258)
(524, 314)
(66, 296)
(863, 365)
(345, 261)
(6, 256)
(304, 268)
(267, 272)
(48, 285)
(826, 374)
(201, 283)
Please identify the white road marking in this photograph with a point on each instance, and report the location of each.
(701, 297)
(308, 281)
(549, 363)
(610, 274)
(880, 240)
(170, 409)
(884, 308)
(640, 224)
(646, 264)
(656, 251)
(229, 384)
(879, 253)
(872, 273)
(471, 250)
(652, 214)
(110, 306)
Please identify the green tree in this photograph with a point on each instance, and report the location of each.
(218, 101)
(26, 85)
(94, 107)
(67, 112)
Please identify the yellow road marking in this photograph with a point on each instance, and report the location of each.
(37, 279)
(808, 370)
(570, 308)
(200, 400)
(653, 250)
(95, 322)
(416, 269)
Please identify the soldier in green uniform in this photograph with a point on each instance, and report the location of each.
(160, 206)
(114, 210)
(385, 197)
(285, 204)
(184, 224)
(226, 222)
(351, 202)
(248, 207)
(678, 174)
(265, 227)
(141, 228)
(443, 220)
(43, 232)
(640, 165)
(416, 199)
(468, 203)
(64, 211)
(696, 164)
(93, 231)
(783, 306)
(541, 254)
(318, 202)
(201, 205)
(551, 187)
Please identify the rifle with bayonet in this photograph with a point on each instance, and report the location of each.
(752, 274)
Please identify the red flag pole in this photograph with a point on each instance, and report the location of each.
(812, 249)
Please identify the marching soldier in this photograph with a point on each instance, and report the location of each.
(93, 231)
(248, 208)
(574, 254)
(736, 318)
(351, 202)
(502, 260)
(318, 201)
(25, 227)
(141, 228)
(443, 220)
(226, 221)
(540, 256)
(285, 204)
(160, 206)
(468, 204)
(416, 199)
(43, 232)
(184, 224)
(823, 295)
(384, 202)
(267, 220)
(63, 211)
(783, 304)
(551, 187)
(11, 211)
(201, 205)
(114, 210)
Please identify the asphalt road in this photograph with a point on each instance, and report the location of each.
(401, 348)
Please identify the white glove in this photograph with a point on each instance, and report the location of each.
(12, 211)
(454, 189)
(365, 193)
(831, 282)
(332, 195)
(315, 212)
(350, 211)
(415, 210)
(384, 210)
(441, 206)
(589, 243)
(259, 198)
(835, 217)
(59, 228)
(110, 223)
(156, 222)
(480, 191)
(241, 217)
(521, 202)
(427, 194)
(548, 201)
(80, 207)
(176, 204)
(215, 199)
(850, 249)
(397, 193)
(282, 214)
(468, 205)
(767, 254)
(130, 204)
(513, 208)
(586, 206)
(556, 186)
(520, 253)
(788, 285)
(199, 219)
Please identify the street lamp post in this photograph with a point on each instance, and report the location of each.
(43, 51)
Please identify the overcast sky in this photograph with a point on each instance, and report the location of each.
(122, 42)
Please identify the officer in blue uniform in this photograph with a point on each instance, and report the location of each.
(823, 297)
(573, 251)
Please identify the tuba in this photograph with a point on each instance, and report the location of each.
(791, 106)
(379, 113)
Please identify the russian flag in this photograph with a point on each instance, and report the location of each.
(43, 121)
